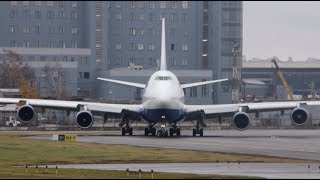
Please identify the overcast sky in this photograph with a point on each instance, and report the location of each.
(281, 29)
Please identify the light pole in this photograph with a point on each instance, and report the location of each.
(212, 96)
(110, 92)
(235, 77)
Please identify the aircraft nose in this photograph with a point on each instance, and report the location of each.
(163, 102)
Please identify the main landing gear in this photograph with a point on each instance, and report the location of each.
(127, 129)
(174, 130)
(163, 132)
(198, 130)
(150, 130)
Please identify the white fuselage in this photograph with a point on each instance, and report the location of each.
(163, 98)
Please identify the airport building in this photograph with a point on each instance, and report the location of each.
(117, 36)
(67, 71)
(301, 76)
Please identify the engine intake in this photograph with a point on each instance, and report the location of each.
(299, 116)
(84, 119)
(241, 121)
(26, 113)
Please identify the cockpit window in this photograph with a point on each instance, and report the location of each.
(163, 78)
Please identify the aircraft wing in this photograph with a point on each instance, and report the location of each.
(72, 105)
(250, 107)
(124, 82)
(201, 83)
(239, 112)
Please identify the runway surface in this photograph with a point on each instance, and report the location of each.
(302, 144)
(266, 170)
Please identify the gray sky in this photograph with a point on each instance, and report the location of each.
(281, 29)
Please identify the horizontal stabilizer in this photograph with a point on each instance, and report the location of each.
(138, 85)
(201, 83)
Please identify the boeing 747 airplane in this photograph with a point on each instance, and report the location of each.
(162, 104)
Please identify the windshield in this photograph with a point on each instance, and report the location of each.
(163, 78)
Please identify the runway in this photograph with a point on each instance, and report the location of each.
(265, 170)
(302, 144)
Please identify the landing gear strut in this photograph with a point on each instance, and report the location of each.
(127, 129)
(150, 129)
(199, 130)
(174, 130)
(162, 132)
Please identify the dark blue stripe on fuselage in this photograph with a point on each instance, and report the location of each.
(155, 115)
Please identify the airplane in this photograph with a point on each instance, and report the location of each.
(163, 103)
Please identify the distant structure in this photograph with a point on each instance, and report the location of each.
(112, 35)
(301, 76)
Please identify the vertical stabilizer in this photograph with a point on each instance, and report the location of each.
(163, 65)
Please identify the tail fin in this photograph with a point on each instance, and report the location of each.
(163, 65)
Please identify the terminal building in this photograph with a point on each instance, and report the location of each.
(103, 38)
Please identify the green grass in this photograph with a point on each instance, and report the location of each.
(15, 150)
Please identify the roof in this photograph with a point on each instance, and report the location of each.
(282, 64)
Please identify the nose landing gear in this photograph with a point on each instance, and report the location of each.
(162, 132)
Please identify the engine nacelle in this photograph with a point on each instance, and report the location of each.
(84, 119)
(241, 121)
(299, 116)
(26, 113)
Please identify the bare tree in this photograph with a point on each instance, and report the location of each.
(13, 70)
(55, 77)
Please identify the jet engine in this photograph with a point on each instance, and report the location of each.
(299, 116)
(84, 119)
(241, 121)
(26, 113)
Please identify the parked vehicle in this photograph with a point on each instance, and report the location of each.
(10, 121)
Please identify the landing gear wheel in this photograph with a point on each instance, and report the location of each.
(178, 131)
(171, 131)
(165, 133)
(146, 131)
(162, 133)
(153, 131)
